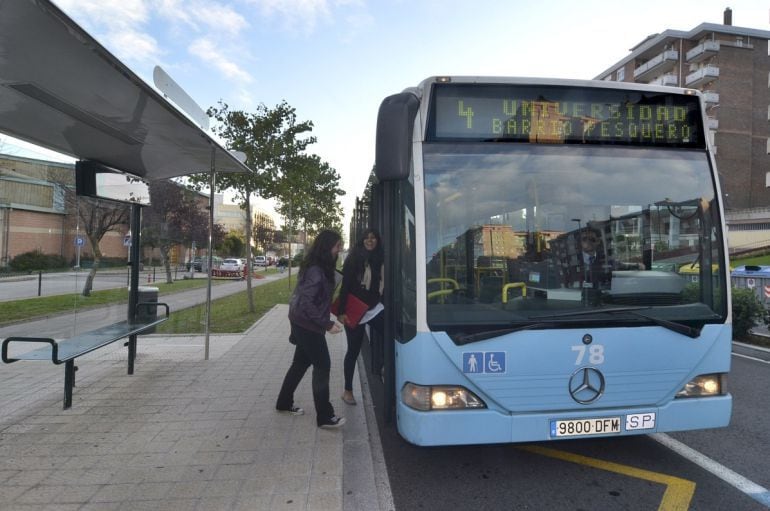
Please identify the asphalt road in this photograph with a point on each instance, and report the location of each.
(641, 472)
(50, 284)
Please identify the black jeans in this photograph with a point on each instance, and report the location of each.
(311, 349)
(355, 338)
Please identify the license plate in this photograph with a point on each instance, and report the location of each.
(583, 427)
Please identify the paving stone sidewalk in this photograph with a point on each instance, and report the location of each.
(182, 432)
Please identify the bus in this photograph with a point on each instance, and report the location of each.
(533, 231)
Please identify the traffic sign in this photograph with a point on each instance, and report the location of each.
(79, 241)
(127, 240)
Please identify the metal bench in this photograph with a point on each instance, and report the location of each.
(67, 350)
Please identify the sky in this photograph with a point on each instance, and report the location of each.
(334, 61)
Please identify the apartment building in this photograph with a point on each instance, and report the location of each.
(731, 66)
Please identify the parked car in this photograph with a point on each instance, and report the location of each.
(197, 263)
(231, 265)
(260, 261)
(216, 262)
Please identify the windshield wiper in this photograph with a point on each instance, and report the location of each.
(680, 328)
(488, 334)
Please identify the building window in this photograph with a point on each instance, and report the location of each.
(621, 74)
(767, 179)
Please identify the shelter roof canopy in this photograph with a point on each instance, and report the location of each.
(62, 90)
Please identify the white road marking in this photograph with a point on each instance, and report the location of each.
(750, 488)
(751, 358)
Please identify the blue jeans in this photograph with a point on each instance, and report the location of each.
(311, 349)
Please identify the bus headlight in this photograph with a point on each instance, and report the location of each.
(439, 397)
(705, 385)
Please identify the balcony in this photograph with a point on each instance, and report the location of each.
(702, 76)
(702, 52)
(668, 80)
(657, 65)
(711, 98)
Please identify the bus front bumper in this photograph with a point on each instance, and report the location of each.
(491, 427)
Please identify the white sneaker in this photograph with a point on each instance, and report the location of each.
(294, 410)
(334, 423)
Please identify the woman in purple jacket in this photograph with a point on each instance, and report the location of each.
(309, 315)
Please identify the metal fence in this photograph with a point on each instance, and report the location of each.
(756, 278)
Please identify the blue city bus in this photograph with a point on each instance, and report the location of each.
(534, 229)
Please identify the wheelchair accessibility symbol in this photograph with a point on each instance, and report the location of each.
(489, 362)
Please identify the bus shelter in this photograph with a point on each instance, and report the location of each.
(62, 90)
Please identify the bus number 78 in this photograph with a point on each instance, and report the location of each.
(595, 354)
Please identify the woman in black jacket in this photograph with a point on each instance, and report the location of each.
(309, 315)
(361, 276)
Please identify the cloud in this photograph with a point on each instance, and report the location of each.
(207, 51)
(117, 24)
(202, 14)
(175, 11)
(298, 15)
(134, 45)
(112, 13)
(218, 17)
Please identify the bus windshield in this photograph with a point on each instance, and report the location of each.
(527, 235)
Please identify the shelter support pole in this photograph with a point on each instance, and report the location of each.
(209, 255)
(134, 251)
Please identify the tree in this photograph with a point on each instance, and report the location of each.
(98, 217)
(173, 218)
(263, 232)
(308, 194)
(268, 137)
(233, 244)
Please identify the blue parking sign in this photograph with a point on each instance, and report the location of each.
(494, 362)
(473, 362)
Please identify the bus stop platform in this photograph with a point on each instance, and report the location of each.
(184, 433)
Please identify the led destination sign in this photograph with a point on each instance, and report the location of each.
(562, 114)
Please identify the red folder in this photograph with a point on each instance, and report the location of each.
(355, 309)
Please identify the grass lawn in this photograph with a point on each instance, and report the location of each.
(763, 260)
(41, 306)
(229, 314)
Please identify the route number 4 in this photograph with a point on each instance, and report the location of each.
(595, 354)
(465, 112)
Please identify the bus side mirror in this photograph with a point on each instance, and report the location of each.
(395, 124)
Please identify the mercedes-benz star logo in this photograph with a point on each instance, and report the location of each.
(586, 385)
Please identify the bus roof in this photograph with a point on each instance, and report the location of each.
(602, 84)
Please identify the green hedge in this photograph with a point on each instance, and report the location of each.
(37, 261)
(747, 312)
(104, 262)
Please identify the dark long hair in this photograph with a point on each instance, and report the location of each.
(374, 257)
(320, 254)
